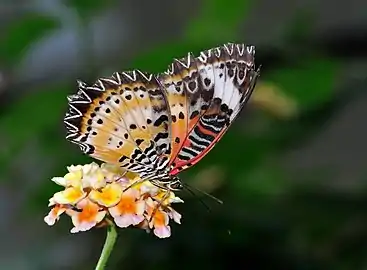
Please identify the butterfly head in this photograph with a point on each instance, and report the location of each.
(175, 184)
(168, 182)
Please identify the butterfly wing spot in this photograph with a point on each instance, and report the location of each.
(194, 114)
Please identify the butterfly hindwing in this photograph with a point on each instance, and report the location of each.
(122, 120)
(225, 77)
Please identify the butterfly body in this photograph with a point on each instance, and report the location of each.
(159, 125)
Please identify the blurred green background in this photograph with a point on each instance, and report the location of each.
(291, 171)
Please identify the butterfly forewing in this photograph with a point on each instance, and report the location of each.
(122, 120)
(225, 77)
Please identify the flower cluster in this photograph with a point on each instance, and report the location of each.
(95, 195)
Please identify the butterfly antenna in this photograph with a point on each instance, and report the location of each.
(203, 192)
(200, 200)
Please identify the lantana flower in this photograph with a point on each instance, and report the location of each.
(95, 195)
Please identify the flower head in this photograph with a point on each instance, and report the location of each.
(94, 195)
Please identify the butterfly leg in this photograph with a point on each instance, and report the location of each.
(160, 203)
(142, 180)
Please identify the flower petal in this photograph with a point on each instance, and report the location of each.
(160, 217)
(131, 193)
(108, 196)
(176, 200)
(74, 178)
(87, 218)
(70, 195)
(140, 207)
(54, 215)
(123, 181)
(173, 214)
(61, 181)
(51, 201)
(91, 168)
(73, 168)
(126, 220)
(137, 219)
(84, 225)
(162, 231)
(93, 177)
(127, 204)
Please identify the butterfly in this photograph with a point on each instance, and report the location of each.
(157, 125)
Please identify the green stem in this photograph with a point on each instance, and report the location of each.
(108, 246)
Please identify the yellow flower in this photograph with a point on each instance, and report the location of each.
(108, 196)
(70, 195)
(94, 196)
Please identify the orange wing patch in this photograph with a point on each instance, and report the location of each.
(122, 120)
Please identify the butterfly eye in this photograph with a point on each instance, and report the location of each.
(176, 185)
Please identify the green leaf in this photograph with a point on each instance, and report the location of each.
(22, 33)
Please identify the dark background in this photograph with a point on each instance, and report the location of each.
(291, 170)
